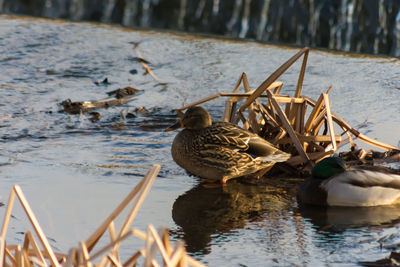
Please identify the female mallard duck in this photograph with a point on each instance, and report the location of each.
(222, 150)
(333, 184)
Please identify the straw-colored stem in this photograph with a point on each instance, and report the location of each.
(271, 110)
(103, 262)
(314, 113)
(227, 112)
(111, 231)
(92, 240)
(279, 136)
(269, 116)
(303, 116)
(233, 112)
(149, 179)
(85, 254)
(293, 114)
(147, 249)
(36, 226)
(336, 118)
(10, 256)
(288, 106)
(111, 245)
(199, 102)
(289, 128)
(246, 83)
(317, 123)
(159, 244)
(273, 77)
(25, 260)
(241, 78)
(132, 260)
(178, 253)
(166, 242)
(114, 260)
(7, 215)
(147, 67)
(18, 256)
(34, 246)
(302, 72)
(36, 262)
(296, 160)
(113, 236)
(278, 89)
(71, 258)
(330, 122)
(2, 249)
(362, 137)
(311, 138)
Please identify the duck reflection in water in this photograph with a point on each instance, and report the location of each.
(338, 219)
(206, 214)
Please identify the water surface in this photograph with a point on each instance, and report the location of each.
(74, 171)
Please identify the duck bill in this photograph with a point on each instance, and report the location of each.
(177, 125)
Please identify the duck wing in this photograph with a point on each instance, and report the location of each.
(224, 158)
(231, 136)
(229, 163)
(367, 178)
(226, 135)
(362, 188)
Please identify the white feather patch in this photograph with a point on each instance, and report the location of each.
(341, 191)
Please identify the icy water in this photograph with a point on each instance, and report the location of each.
(74, 172)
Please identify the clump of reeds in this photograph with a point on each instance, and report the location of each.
(284, 121)
(38, 252)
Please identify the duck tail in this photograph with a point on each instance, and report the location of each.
(278, 156)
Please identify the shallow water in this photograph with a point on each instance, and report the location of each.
(74, 171)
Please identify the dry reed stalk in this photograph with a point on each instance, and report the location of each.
(111, 245)
(71, 258)
(344, 125)
(30, 240)
(160, 245)
(31, 255)
(330, 122)
(166, 242)
(288, 128)
(2, 249)
(10, 257)
(149, 177)
(132, 260)
(314, 113)
(146, 67)
(114, 260)
(32, 218)
(273, 77)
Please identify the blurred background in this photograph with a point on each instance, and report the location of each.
(364, 26)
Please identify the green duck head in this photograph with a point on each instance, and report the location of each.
(328, 167)
(195, 118)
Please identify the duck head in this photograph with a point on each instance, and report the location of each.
(328, 167)
(195, 118)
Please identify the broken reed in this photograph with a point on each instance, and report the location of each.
(39, 252)
(282, 120)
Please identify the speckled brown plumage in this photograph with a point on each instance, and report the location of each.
(220, 151)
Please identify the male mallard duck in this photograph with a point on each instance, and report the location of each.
(220, 151)
(333, 184)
